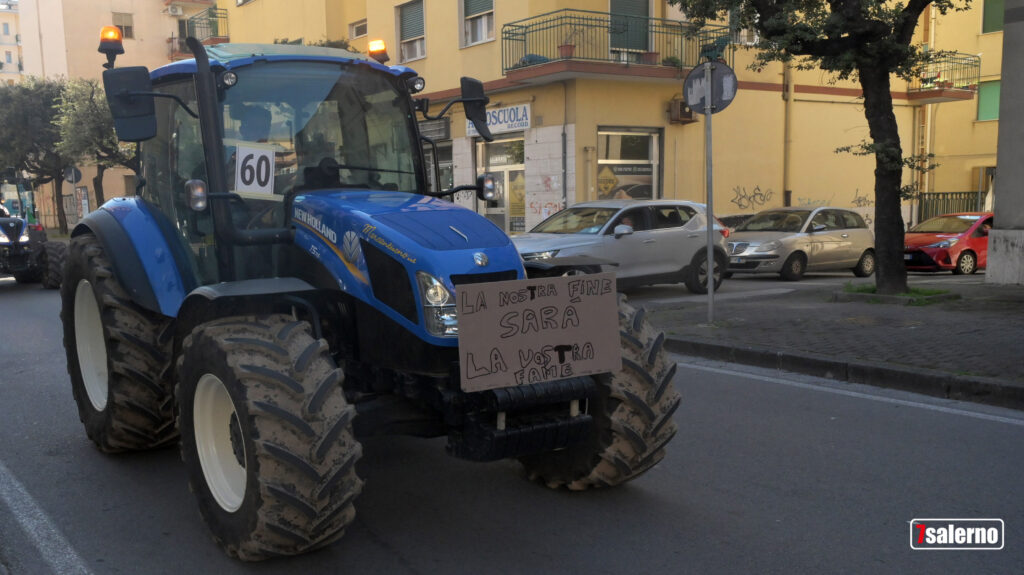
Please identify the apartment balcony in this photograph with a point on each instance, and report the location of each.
(177, 49)
(209, 26)
(580, 43)
(947, 78)
(200, 3)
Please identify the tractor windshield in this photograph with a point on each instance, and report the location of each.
(313, 125)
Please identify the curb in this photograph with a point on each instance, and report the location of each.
(977, 389)
(843, 297)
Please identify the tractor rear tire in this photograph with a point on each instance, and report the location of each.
(51, 264)
(266, 436)
(118, 356)
(632, 415)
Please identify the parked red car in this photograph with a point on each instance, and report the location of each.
(957, 242)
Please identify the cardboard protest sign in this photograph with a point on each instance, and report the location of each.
(527, 331)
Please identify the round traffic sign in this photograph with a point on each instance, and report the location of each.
(723, 86)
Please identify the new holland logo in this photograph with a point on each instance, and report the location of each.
(315, 223)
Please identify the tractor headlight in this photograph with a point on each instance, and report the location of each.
(24, 236)
(439, 314)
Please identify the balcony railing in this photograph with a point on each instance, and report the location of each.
(209, 26)
(947, 77)
(177, 49)
(611, 38)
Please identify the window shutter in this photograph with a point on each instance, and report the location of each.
(412, 20)
(629, 26)
(988, 100)
(474, 7)
(992, 21)
(630, 7)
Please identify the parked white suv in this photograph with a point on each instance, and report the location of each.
(652, 241)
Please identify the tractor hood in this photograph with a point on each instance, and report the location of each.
(12, 228)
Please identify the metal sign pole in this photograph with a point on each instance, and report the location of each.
(708, 109)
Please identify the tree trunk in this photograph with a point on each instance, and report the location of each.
(97, 184)
(58, 196)
(890, 271)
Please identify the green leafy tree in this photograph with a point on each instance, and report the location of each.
(30, 136)
(87, 132)
(867, 40)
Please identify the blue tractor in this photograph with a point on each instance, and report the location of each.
(25, 251)
(284, 283)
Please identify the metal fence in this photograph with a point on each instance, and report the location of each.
(949, 70)
(936, 204)
(605, 37)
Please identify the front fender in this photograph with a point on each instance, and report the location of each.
(143, 262)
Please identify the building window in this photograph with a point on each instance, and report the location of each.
(8, 57)
(988, 100)
(124, 23)
(357, 29)
(411, 31)
(992, 20)
(7, 29)
(479, 21)
(627, 164)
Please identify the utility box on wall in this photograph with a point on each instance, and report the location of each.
(679, 112)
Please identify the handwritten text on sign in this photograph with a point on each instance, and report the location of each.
(527, 331)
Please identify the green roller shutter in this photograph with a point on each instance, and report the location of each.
(988, 100)
(992, 21)
(474, 7)
(629, 24)
(411, 16)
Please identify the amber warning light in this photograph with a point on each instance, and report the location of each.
(110, 44)
(378, 50)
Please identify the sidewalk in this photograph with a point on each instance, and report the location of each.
(970, 348)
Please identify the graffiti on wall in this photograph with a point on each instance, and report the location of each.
(752, 200)
(861, 201)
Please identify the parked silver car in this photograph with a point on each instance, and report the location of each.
(790, 241)
(652, 241)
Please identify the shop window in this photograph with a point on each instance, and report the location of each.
(992, 19)
(627, 164)
(357, 29)
(124, 23)
(411, 31)
(988, 100)
(479, 21)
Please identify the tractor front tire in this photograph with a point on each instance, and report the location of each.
(266, 436)
(118, 356)
(632, 414)
(51, 264)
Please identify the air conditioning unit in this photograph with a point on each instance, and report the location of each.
(679, 112)
(175, 10)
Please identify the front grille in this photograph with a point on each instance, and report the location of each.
(12, 229)
(390, 281)
(744, 265)
(462, 279)
(919, 259)
(738, 247)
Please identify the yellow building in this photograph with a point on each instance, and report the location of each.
(10, 42)
(586, 103)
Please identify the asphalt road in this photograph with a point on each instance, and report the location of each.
(770, 473)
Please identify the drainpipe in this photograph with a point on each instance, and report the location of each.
(787, 130)
(565, 144)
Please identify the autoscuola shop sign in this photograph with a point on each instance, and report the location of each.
(501, 120)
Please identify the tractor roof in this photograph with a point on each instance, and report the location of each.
(232, 56)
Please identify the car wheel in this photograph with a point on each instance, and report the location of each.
(696, 278)
(794, 267)
(966, 264)
(866, 265)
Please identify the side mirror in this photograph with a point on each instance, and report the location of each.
(474, 102)
(486, 190)
(818, 228)
(622, 230)
(131, 102)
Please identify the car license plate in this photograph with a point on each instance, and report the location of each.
(737, 260)
(908, 256)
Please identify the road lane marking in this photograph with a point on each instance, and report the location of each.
(857, 394)
(40, 529)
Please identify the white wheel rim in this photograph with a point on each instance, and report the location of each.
(90, 345)
(212, 412)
